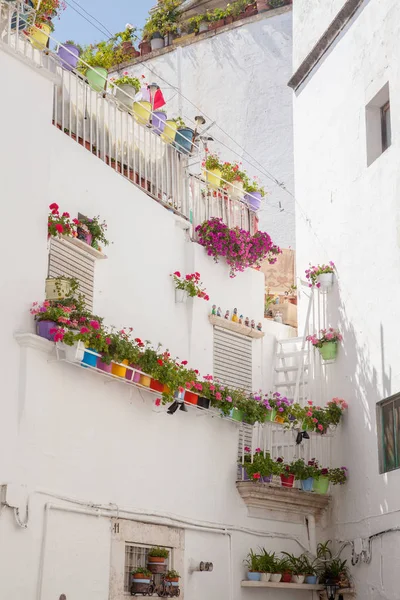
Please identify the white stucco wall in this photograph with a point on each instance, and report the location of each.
(65, 431)
(353, 214)
(237, 79)
(310, 20)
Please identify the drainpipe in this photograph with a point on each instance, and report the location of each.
(311, 534)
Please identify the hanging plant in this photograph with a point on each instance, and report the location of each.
(191, 284)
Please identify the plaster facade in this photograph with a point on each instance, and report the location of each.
(350, 214)
(83, 452)
(237, 80)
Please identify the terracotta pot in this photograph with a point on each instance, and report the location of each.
(157, 568)
(140, 576)
(228, 20)
(250, 10)
(155, 559)
(262, 5)
(175, 579)
(216, 24)
(144, 47)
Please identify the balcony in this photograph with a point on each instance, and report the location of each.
(102, 123)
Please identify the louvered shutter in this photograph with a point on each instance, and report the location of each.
(233, 359)
(69, 260)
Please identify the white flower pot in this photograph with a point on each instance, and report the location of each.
(325, 280)
(235, 190)
(73, 353)
(180, 296)
(298, 578)
(125, 94)
(203, 26)
(265, 576)
(275, 577)
(157, 43)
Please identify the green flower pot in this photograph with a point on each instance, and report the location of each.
(236, 414)
(97, 78)
(328, 350)
(321, 485)
(271, 414)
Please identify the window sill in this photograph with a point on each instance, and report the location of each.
(236, 327)
(83, 247)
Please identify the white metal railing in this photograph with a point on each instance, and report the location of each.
(105, 126)
(281, 442)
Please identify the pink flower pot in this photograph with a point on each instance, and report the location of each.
(103, 366)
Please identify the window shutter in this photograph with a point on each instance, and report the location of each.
(69, 260)
(233, 359)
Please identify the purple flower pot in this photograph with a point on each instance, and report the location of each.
(69, 55)
(267, 479)
(43, 329)
(158, 120)
(133, 376)
(253, 200)
(244, 475)
(103, 366)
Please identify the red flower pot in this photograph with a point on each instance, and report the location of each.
(287, 480)
(191, 398)
(217, 24)
(156, 385)
(286, 578)
(145, 48)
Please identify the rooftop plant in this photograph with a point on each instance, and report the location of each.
(163, 20)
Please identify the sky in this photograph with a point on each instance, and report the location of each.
(113, 15)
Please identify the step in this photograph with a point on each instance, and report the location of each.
(287, 369)
(294, 340)
(291, 354)
(290, 383)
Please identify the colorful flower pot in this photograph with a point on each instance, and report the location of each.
(89, 360)
(252, 576)
(307, 484)
(191, 397)
(142, 112)
(40, 37)
(145, 380)
(266, 479)
(203, 402)
(287, 480)
(43, 329)
(51, 291)
(184, 139)
(103, 366)
(243, 474)
(69, 55)
(157, 386)
(236, 415)
(133, 376)
(118, 370)
(97, 78)
(271, 414)
(279, 419)
(321, 485)
(158, 120)
(125, 95)
(213, 177)
(169, 133)
(253, 200)
(311, 579)
(286, 578)
(275, 577)
(328, 350)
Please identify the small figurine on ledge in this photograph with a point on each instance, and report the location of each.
(235, 317)
(241, 320)
(253, 324)
(219, 312)
(214, 309)
(227, 315)
(247, 322)
(259, 327)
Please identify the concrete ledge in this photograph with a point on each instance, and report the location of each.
(236, 327)
(290, 503)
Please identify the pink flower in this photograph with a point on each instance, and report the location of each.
(108, 341)
(309, 402)
(198, 386)
(94, 324)
(212, 388)
(256, 476)
(246, 449)
(309, 414)
(320, 427)
(218, 396)
(177, 273)
(344, 404)
(157, 402)
(315, 420)
(258, 450)
(84, 330)
(228, 399)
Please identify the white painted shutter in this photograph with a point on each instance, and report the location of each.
(67, 259)
(233, 359)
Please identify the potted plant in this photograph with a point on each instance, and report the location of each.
(277, 407)
(331, 569)
(126, 88)
(58, 288)
(260, 469)
(287, 473)
(277, 567)
(286, 570)
(40, 32)
(171, 127)
(216, 18)
(310, 569)
(141, 581)
(47, 317)
(183, 137)
(157, 559)
(254, 193)
(148, 361)
(158, 120)
(296, 566)
(327, 342)
(253, 566)
(93, 232)
(144, 47)
(198, 23)
(233, 177)
(142, 574)
(321, 276)
(162, 21)
(266, 564)
(321, 480)
(60, 224)
(190, 285)
(212, 170)
(304, 473)
(172, 577)
(69, 54)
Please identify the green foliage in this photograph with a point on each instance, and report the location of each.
(107, 53)
(180, 122)
(193, 23)
(158, 552)
(267, 561)
(126, 80)
(97, 229)
(172, 574)
(163, 20)
(251, 186)
(142, 571)
(253, 562)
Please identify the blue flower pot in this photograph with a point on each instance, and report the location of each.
(307, 484)
(89, 360)
(184, 139)
(253, 576)
(311, 579)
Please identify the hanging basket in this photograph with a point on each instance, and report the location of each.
(328, 350)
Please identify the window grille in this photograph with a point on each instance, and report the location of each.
(136, 556)
(69, 260)
(233, 359)
(388, 419)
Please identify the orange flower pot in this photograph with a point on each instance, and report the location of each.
(117, 370)
(156, 385)
(155, 559)
(191, 397)
(145, 380)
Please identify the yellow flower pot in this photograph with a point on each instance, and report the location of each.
(145, 380)
(279, 420)
(117, 370)
(213, 177)
(169, 133)
(39, 37)
(142, 112)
